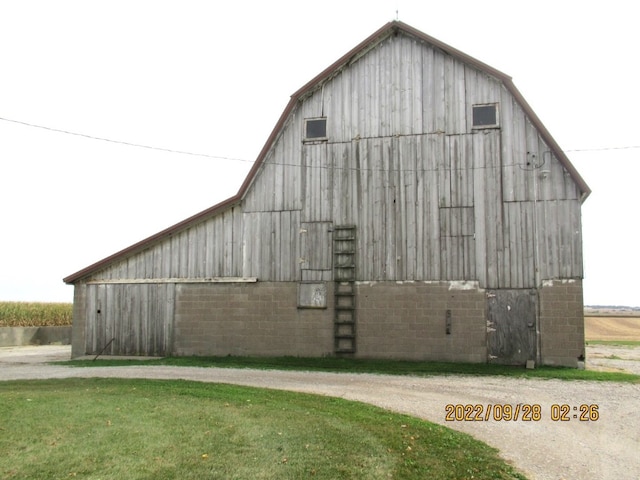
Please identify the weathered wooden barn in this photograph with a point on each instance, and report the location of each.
(408, 204)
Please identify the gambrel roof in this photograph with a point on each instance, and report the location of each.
(391, 28)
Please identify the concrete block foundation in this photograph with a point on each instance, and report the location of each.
(561, 323)
(405, 320)
(434, 321)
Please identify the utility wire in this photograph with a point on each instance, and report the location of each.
(183, 152)
(603, 149)
(130, 144)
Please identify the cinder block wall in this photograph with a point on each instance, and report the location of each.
(395, 320)
(407, 320)
(260, 319)
(561, 322)
(401, 320)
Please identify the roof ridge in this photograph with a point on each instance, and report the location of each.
(392, 27)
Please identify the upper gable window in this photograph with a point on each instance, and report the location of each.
(486, 116)
(315, 129)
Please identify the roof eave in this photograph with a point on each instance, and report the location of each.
(388, 29)
(152, 240)
(585, 191)
(396, 26)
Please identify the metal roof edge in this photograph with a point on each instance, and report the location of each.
(380, 34)
(153, 239)
(510, 86)
(548, 138)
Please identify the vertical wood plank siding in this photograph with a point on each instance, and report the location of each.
(431, 197)
(129, 319)
(211, 248)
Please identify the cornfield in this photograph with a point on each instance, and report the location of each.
(32, 314)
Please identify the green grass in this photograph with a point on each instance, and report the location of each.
(35, 314)
(143, 429)
(617, 343)
(388, 367)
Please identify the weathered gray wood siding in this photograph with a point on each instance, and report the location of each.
(128, 319)
(431, 198)
(212, 248)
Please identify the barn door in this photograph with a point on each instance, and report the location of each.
(511, 325)
(129, 319)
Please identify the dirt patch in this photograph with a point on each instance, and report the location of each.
(613, 358)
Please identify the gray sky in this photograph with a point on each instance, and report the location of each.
(213, 78)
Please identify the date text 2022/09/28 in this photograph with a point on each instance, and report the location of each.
(522, 412)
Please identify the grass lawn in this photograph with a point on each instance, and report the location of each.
(618, 343)
(388, 367)
(145, 429)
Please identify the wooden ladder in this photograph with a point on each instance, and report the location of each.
(344, 269)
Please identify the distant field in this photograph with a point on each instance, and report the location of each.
(35, 314)
(612, 328)
(590, 311)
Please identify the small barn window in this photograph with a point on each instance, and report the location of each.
(485, 116)
(315, 129)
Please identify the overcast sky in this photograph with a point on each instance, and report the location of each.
(213, 78)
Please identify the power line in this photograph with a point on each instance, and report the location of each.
(184, 152)
(120, 142)
(603, 149)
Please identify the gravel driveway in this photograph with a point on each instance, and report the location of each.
(608, 448)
